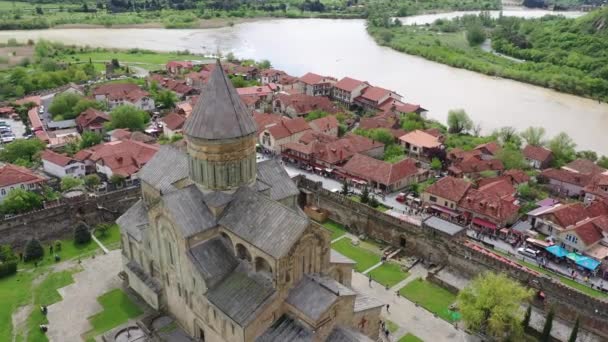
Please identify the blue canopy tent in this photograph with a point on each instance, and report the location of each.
(588, 263)
(557, 250)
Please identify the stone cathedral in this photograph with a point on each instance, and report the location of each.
(218, 242)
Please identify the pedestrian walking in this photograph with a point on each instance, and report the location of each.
(370, 280)
(387, 308)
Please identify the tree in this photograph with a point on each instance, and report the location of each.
(92, 181)
(89, 139)
(166, 99)
(33, 250)
(365, 195)
(103, 229)
(603, 162)
(265, 64)
(491, 305)
(316, 114)
(475, 35)
(587, 154)
(436, 164)
(345, 189)
(546, 334)
(534, 136)
(459, 121)
(563, 148)
(511, 158)
(126, 116)
(69, 182)
(22, 149)
(82, 235)
(117, 179)
(382, 135)
(574, 332)
(508, 136)
(20, 201)
(63, 105)
(526, 322)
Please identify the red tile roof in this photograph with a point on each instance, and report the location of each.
(91, 116)
(501, 188)
(491, 147)
(517, 176)
(489, 205)
(123, 157)
(179, 64)
(34, 118)
(254, 91)
(374, 93)
(584, 166)
(56, 158)
(566, 215)
(450, 188)
(348, 84)
(337, 151)
(311, 136)
(325, 123)
(279, 126)
(378, 121)
(567, 176)
(174, 121)
(371, 169)
(476, 164)
(597, 185)
(590, 230)
(12, 175)
(30, 99)
(121, 91)
(421, 138)
(304, 104)
(311, 78)
(537, 153)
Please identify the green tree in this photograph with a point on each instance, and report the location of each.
(526, 322)
(265, 64)
(574, 332)
(459, 121)
(382, 135)
(603, 162)
(475, 34)
(22, 149)
(563, 148)
(126, 116)
(165, 99)
(587, 154)
(534, 136)
(69, 182)
(365, 195)
(117, 179)
(345, 188)
(82, 235)
(511, 158)
(20, 201)
(102, 229)
(84, 104)
(508, 136)
(33, 250)
(64, 104)
(546, 334)
(316, 114)
(393, 153)
(436, 164)
(89, 139)
(92, 181)
(491, 304)
(411, 122)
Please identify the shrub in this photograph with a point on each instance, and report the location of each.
(33, 250)
(373, 202)
(8, 268)
(82, 235)
(7, 254)
(102, 229)
(92, 181)
(57, 246)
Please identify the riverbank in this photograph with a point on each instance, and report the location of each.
(445, 42)
(201, 24)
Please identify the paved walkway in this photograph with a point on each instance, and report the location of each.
(410, 318)
(68, 319)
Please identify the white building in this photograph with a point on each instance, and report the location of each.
(60, 165)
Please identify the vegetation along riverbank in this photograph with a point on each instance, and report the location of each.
(568, 55)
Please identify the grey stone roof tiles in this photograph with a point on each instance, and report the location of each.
(134, 220)
(168, 165)
(188, 211)
(239, 296)
(219, 112)
(343, 334)
(337, 258)
(314, 295)
(214, 259)
(365, 302)
(266, 224)
(272, 173)
(286, 329)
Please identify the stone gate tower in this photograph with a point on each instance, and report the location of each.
(221, 136)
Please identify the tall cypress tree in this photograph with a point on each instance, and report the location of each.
(546, 335)
(574, 332)
(526, 322)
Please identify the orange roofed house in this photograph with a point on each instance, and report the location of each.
(18, 177)
(116, 94)
(316, 85)
(91, 120)
(420, 143)
(348, 89)
(443, 196)
(383, 175)
(372, 98)
(301, 104)
(274, 130)
(121, 157)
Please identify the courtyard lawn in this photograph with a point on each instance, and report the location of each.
(430, 296)
(392, 326)
(146, 60)
(410, 338)
(112, 238)
(336, 229)
(117, 309)
(364, 258)
(14, 292)
(46, 293)
(389, 274)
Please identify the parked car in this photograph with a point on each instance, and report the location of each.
(401, 197)
(41, 109)
(5, 129)
(528, 252)
(4, 124)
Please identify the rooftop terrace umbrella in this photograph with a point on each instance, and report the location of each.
(588, 263)
(557, 250)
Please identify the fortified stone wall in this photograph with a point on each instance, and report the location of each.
(362, 219)
(58, 221)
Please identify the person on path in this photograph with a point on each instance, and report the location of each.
(370, 280)
(387, 308)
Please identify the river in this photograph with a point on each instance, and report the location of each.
(343, 48)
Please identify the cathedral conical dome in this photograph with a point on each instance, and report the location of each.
(219, 112)
(221, 135)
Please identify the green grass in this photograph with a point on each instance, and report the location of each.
(430, 296)
(15, 291)
(388, 274)
(112, 238)
(364, 258)
(150, 61)
(410, 338)
(392, 326)
(117, 309)
(356, 198)
(46, 294)
(336, 229)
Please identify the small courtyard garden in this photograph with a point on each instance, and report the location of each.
(431, 297)
(389, 274)
(409, 338)
(118, 308)
(363, 257)
(336, 229)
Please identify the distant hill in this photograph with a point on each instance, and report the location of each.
(595, 22)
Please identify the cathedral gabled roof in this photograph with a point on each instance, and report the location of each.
(219, 112)
(214, 260)
(188, 210)
(314, 295)
(281, 185)
(264, 223)
(286, 329)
